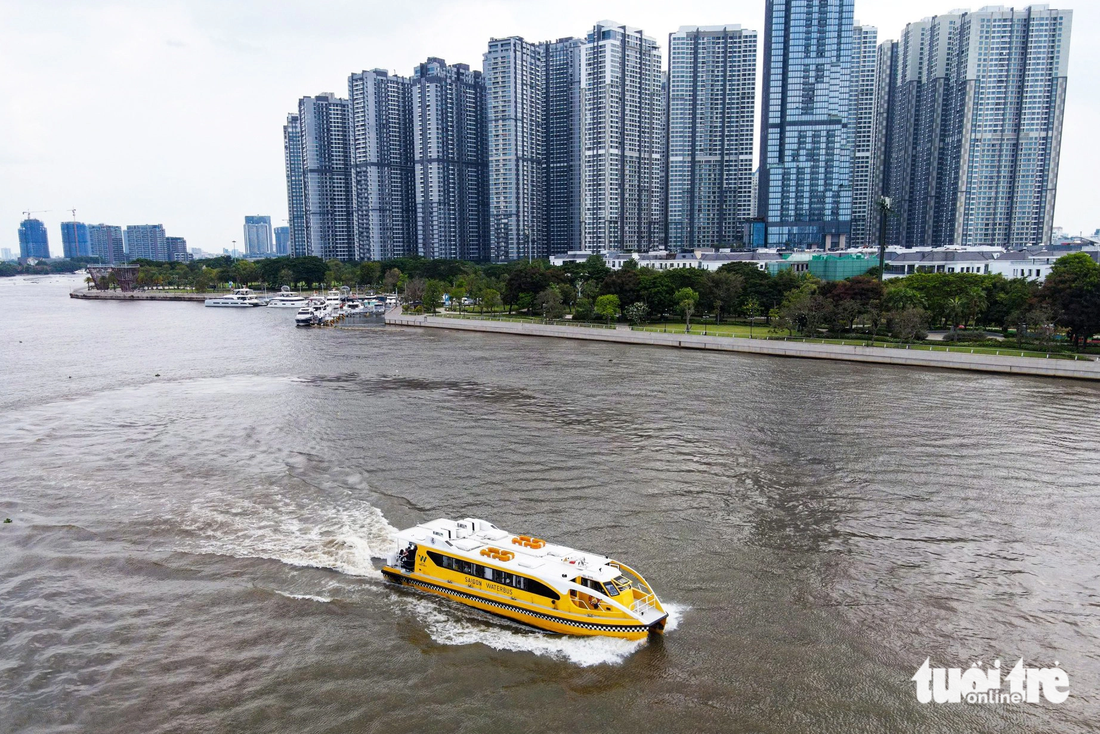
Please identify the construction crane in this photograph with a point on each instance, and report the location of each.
(28, 213)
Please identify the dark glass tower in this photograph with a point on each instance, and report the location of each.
(806, 143)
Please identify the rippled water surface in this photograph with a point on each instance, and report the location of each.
(199, 497)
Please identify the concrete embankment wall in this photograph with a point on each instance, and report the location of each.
(1084, 369)
(139, 296)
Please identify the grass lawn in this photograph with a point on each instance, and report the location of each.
(762, 332)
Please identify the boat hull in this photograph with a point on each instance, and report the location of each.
(214, 303)
(539, 617)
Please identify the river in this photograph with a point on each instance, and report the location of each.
(199, 498)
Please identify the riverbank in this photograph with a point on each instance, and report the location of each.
(139, 295)
(1082, 369)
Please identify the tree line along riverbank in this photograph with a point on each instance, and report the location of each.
(1063, 313)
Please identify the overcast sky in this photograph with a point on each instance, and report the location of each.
(171, 111)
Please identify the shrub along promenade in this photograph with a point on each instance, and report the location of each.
(948, 357)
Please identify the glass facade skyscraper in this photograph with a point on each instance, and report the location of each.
(74, 239)
(295, 193)
(534, 118)
(711, 105)
(862, 116)
(515, 83)
(33, 240)
(382, 165)
(450, 166)
(146, 241)
(623, 140)
(976, 107)
(564, 147)
(326, 177)
(107, 243)
(806, 145)
(257, 235)
(282, 240)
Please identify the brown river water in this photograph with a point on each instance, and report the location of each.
(200, 499)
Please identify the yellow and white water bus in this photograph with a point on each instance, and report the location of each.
(524, 578)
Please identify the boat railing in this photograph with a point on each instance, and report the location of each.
(644, 604)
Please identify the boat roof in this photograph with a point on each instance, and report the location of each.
(466, 538)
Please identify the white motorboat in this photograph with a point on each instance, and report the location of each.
(286, 298)
(239, 298)
(316, 312)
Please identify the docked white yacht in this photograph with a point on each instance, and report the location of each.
(286, 298)
(316, 312)
(239, 298)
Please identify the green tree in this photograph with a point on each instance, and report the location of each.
(457, 294)
(490, 299)
(726, 292)
(202, 281)
(369, 273)
(285, 277)
(389, 282)
(310, 270)
(636, 313)
(549, 303)
(414, 291)
(608, 307)
(583, 310)
(433, 295)
(685, 300)
(1072, 290)
(908, 324)
(245, 272)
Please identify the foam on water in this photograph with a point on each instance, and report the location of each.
(316, 535)
(448, 627)
(304, 597)
(346, 539)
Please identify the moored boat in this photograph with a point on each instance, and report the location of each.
(286, 298)
(551, 587)
(239, 298)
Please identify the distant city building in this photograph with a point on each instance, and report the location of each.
(515, 82)
(623, 133)
(977, 110)
(146, 241)
(74, 239)
(382, 165)
(5, 253)
(177, 249)
(449, 161)
(564, 145)
(282, 241)
(33, 240)
(806, 142)
(862, 111)
(712, 92)
(886, 75)
(295, 186)
(326, 174)
(257, 236)
(534, 157)
(107, 243)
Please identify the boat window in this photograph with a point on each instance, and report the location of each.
(441, 560)
(625, 582)
(612, 590)
(493, 574)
